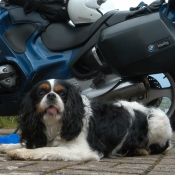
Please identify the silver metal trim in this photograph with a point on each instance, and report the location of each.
(110, 81)
(96, 56)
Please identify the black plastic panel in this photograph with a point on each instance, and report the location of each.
(75, 68)
(124, 46)
(118, 17)
(17, 37)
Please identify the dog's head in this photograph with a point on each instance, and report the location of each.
(49, 102)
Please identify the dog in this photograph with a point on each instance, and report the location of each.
(58, 123)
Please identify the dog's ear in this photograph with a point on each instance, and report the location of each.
(73, 115)
(32, 129)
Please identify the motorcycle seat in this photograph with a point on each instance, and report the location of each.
(64, 36)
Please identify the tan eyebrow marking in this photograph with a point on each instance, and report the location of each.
(58, 88)
(45, 87)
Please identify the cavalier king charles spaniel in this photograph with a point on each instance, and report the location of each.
(58, 123)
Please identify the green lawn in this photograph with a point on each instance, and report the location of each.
(8, 122)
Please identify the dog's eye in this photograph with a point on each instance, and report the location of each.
(62, 94)
(41, 93)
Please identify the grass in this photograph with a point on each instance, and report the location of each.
(9, 122)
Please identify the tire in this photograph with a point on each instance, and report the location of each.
(172, 117)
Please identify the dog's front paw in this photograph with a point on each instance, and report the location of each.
(25, 154)
(17, 154)
(4, 148)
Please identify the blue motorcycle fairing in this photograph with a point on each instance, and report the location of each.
(36, 63)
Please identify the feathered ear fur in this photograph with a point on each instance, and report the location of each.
(73, 115)
(32, 129)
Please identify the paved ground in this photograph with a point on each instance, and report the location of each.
(163, 164)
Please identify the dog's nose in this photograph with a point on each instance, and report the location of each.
(51, 96)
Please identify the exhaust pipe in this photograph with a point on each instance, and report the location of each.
(127, 90)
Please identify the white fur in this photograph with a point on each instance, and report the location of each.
(159, 129)
(78, 148)
(58, 149)
(131, 106)
(4, 148)
(52, 83)
(59, 103)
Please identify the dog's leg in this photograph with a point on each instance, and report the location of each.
(53, 153)
(142, 151)
(4, 148)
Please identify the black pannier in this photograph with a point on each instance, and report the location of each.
(143, 45)
(54, 10)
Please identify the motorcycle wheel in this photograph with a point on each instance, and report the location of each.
(162, 96)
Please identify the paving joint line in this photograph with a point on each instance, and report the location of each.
(65, 167)
(147, 171)
(107, 171)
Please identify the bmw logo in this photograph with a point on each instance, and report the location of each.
(151, 48)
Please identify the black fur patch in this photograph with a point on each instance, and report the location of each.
(137, 134)
(109, 126)
(157, 149)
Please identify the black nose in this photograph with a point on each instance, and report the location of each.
(51, 96)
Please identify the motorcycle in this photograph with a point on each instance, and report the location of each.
(119, 56)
